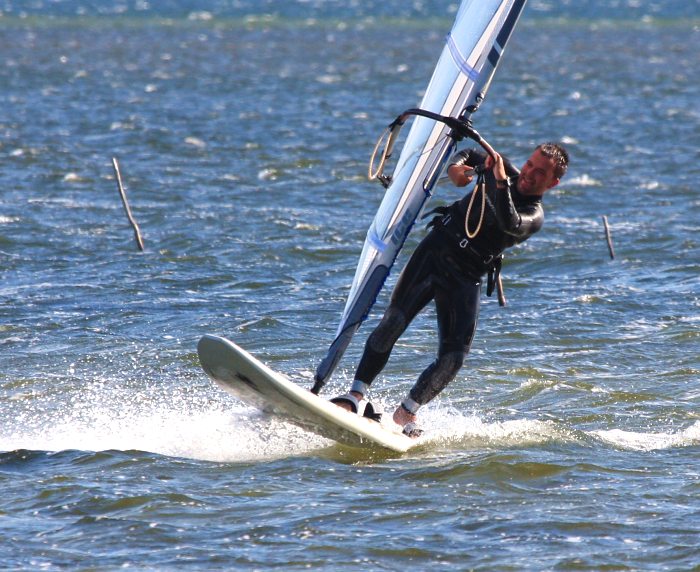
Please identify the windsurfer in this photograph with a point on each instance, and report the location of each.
(448, 267)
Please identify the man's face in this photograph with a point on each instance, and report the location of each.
(537, 175)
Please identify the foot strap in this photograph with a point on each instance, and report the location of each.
(364, 408)
(349, 399)
(372, 412)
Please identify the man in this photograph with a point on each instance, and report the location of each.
(464, 244)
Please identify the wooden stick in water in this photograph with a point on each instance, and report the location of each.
(137, 232)
(608, 237)
(501, 292)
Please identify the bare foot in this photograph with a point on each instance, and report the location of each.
(401, 416)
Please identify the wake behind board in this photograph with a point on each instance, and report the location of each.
(247, 378)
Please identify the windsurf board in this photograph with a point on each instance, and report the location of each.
(251, 381)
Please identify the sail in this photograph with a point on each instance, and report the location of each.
(459, 83)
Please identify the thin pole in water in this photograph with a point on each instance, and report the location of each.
(122, 194)
(608, 237)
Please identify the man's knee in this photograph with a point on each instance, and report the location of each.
(450, 363)
(384, 336)
(438, 376)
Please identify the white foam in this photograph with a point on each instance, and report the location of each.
(209, 425)
(446, 425)
(584, 180)
(639, 441)
(176, 425)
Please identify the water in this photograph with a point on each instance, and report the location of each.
(568, 442)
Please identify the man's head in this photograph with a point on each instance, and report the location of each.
(543, 170)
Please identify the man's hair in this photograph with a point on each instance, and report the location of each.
(558, 155)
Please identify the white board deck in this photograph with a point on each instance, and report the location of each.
(244, 376)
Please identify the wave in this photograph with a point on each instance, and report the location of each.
(635, 441)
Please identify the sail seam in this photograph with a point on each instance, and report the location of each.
(460, 60)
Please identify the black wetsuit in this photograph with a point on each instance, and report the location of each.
(448, 268)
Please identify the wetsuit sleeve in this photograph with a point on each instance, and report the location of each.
(511, 170)
(520, 221)
(470, 157)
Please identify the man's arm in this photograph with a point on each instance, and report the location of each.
(461, 168)
(522, 222)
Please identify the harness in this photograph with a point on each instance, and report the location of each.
(489, 264)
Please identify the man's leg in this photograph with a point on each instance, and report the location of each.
(413, 291)
(457, 306)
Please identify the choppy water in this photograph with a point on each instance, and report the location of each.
(570, 441)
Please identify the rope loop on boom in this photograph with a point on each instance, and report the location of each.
(461, 128)
(390, 134)
(479, 189)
